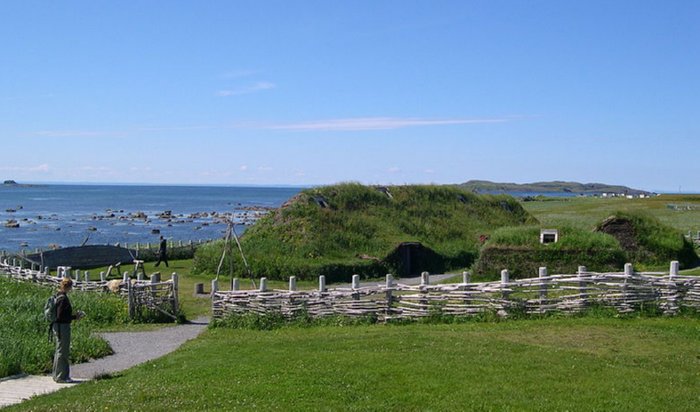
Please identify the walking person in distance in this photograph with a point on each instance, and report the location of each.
(62, 331)
(162, 252)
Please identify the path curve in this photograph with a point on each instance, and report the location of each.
(130, 349)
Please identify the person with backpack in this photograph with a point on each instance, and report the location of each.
(62, 330)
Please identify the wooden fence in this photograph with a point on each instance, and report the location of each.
(140, 294)
(626, 292)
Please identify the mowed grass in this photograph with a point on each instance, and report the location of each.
(587, 212)
(544, 364)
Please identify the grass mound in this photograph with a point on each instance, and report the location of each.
(623, 237)
(24, 332)
(519, 250)
(348, 229)
(645, 239)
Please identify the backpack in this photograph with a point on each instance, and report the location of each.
(50, 313)
(50, 309)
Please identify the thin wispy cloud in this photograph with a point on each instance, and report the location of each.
(341, 125)
(378, 123)
(253, 88)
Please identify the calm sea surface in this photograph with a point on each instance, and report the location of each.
(66, 215)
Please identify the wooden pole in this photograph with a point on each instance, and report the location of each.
(542, 273)
(176, 303)
(389, 295)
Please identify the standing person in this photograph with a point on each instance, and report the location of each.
(162, 252)
(62, 330)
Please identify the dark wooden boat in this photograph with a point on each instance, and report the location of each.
(84, 257)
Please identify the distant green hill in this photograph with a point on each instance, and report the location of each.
(485, 186)
(350, 229)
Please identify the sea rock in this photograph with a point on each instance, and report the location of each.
(12, 224)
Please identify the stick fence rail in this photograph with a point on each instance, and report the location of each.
(153, 294)
(567, 293)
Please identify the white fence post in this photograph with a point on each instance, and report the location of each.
(389, 295)
(322, 283)
(355, 287)
(292, 283)
(673, 270)
(505, 279)
(542, 274)
(424, 278)
(582, 285)
(176, 301)
(235, 284)
(263, 284)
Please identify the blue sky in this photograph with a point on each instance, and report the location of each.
(319, 92)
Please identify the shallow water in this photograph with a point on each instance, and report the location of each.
(66, 215)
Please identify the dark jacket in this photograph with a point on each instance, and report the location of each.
(64, 310)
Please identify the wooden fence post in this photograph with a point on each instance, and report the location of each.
(389, 297)
(629, 272)
(214, 286)
(673, 270)
(130, 298)
(263, 284)
(671, 295)
(292, 283)
(155, 278)
(505, 279)
(322, 283)
(466, 279)
(355, 286)
(542, 274)
(235, 284)
(102, 276)
(582, 285)
(176, 303)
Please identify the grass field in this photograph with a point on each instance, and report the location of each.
(24, 343)
(587, 212)
(582, 363)
(547, 364)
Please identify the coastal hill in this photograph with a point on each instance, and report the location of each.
(485, 186)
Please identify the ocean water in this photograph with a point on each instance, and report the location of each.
(67, 215)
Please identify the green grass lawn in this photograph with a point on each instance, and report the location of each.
(550, 364)
(587, 212)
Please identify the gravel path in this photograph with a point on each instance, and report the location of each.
(434, 279)
(133, 348)
(130, 349)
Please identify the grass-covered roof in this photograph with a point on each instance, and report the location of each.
(350, 228)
